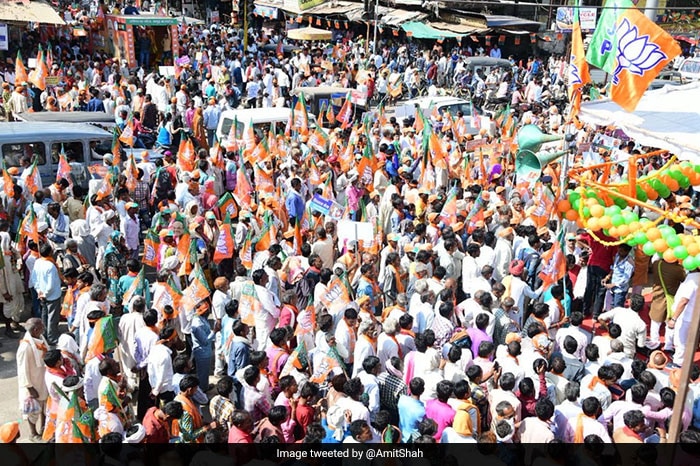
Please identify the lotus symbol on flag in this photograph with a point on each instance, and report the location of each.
(634, 52)
(574, 77)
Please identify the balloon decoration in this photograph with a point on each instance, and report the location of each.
(607, 209)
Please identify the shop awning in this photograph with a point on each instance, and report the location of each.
(460, 29)
(309, 33)
(29, 12)
(424, 31)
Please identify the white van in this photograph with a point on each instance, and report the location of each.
(444, 104)
(690, 69)
(260, 118)
(84, 144)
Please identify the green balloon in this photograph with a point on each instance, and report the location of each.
(656, 184)
(664, 192)
(644, 220)
(612, 210)
(586, 212)
(629, 217)
(617, 220)
(675, 174)
(649, 249)
(641, 194)
(621, 203)
(690, 263)
(681, 252)
(640, 237)
(673, 241)
(696, 167)
(683, 181)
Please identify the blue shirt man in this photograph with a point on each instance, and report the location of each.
(411, 410)
(295, 203)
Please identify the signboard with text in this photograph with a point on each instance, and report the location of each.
(565, 18)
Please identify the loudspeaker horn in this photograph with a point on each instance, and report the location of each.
(529, 165)
(531, 138)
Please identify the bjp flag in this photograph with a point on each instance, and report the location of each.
(197, 291)
(345, 113)
(553, 265)
(224, 244)
(630, 47)
(20, 71)
(186, 156)
(578, 68)
(103, 339)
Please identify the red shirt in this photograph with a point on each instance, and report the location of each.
(601, 256)
(236, 435)
(156, 431)
(304, 416)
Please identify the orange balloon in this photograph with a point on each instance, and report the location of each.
(694, 178)
(687, 240)
(622, 231)
(597, 210)
(591, 201)
(669, 256)
(571, 215)
(665, 179)
(605, 222)
(660, 245)
(593, 224)
(634, 226)
(563, 206)
(673, 185)
(653, 234)
(652, 195)
(693, 249)
(687, 170)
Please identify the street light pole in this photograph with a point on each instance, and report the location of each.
(376, 17)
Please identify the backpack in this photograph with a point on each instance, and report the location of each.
(163, 183)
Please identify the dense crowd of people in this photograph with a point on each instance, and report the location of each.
(211, 300)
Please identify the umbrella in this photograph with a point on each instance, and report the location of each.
(309, 33)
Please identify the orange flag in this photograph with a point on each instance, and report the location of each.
(438, 155)
(196, 292)
(345, 113)
(578, 68)
(224, 244)
(243, 189)
(186, 156)
(553, 265)
(20, 70)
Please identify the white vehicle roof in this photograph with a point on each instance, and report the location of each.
(258, 115)
(427, 102)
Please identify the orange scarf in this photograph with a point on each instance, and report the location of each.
(578, 435)
(192, 411)
(393, 338)
(594, 381)
(68, 301)
(372, 341)
(397, 279)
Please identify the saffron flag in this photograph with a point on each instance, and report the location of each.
(39, 74)
(131, 173)
(330, 116)
(345, 113)
(249, 139)
(197, 291)
(246, 254)
(578, 67)
(116, 148)
(263, 179)
(243, 188)
(186, 156)
(318, 140)
(150, 249)
(105, 189)
(260, 153)
(20, 71)
(336, 296)
(299, 357)
(127, 134)
(553, 265)
(63, 171)
(448, 215)
(103, 339)
(300, 116)
(82, 420)
(110, 399)
(249, 304)
(224, 244)
(137, 287)
(8, 184)
(268, 234)
(227, 206)
(33, 180)
(542, 208)
(630, 47)
(322, 368)
(438, 155)
(29, 228)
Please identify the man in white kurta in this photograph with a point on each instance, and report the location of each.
(30, 372)
(268, 312)
(129, 324)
